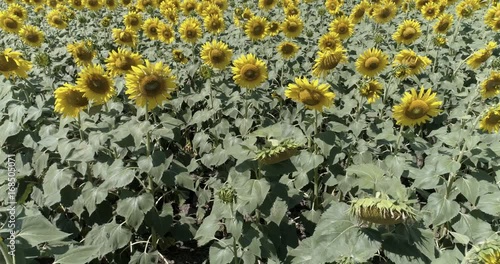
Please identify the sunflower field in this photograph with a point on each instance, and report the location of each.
(250, 131)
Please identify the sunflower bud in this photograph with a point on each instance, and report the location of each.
(381, 211)
(439, 41)
(42, 60)
(105, 22)
(277, 151)
(227, 195)
(379, 38)
(495, 64)
(82, 19)
(309, 33)
(206, 72)
(321, 12)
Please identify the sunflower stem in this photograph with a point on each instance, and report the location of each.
(154, 236)
(398, 142)
(235, 247)
(5, 253)
(316, 174)
(80, 125)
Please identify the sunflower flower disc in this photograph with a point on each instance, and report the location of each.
(312, 94)
(249, 71)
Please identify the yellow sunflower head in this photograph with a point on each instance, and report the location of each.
(12, 64)
(273, 28)
(69, 100)
(292, 26)
(481, 56)
(18, 11)
(210, 10)
(111, 4)
(371, 90)
(166, 33)
(83, 52)
(121, 61)
(411, 63)
(359, 11)
(190, 30)
(444, 24)
(170, 13)
(249, 71)
(329, 41)
(343, 26)
(327, 60)
(292, 11)
(488, 252)
(94, 5)
(150, 84)
(256, 28)
(267, 4)
(133, 20)
(492, 17)
(214, 24)
(288, 49)
(490, 122)
(491, 86)
(95, 84)
(178, 56)
(216, 54)
(189, 6)
(416, 109)
(56, 19)
(312, 94)
(466, 8)
(32, 35)
(77, 4)
(10, 22)
(430, 10)
(371, 62)
(408, 32)
(151, 28)
(333, 6)
(384, 12)
(126, 36)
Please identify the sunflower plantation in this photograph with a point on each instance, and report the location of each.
(250, 131)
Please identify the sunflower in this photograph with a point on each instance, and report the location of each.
(52, 3)
(292, 26)
(82, 52)
(166, 33)
(312, 94)
(327, 60)
(288, 49)
(31, 35)
(492, 17)
(121, 61)
(178, 56)
(216, 54)
(430, 10)
(491, 86)
(267, 4)
(211, 10)
(69, 100)
(371, 62)
(333, 6)
(10, 22)
(111, 4)
(382, 211)
(249, 71)
(490, 253)
(94, 5)
(408, 32)
(214, 24)
(56, 19)
(416, 109)
(329, 41)
(95, 84)
(77, 4)
(144, 4)
(466, 8)
(443, 24)
(410, 63)
(133, 20)
(18, 11)
(12, 64)
(190, 30)
(359, 11)
(343, 26)
(188, 6)
(371, 90)
(292, 11)
(151, 27)
(273, 28)
(171, 14)
(127, 36)
(384, 12)
(482, 55)
(256, 28)
(150, 84)
(222, 4)
(247, 14)
(490, 122)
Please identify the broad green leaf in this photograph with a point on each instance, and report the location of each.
(77, 255)
(442, 209)
(369, 174)
(108, 237)
(114, 176)
(134, 208)
(252, 194)
(37, 229)
(474, 228)
(207, 229)
(220, 252)
(54, 180)
(92, 196)
(490, 203)
(470, 188)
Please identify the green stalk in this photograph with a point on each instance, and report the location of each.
(5, 253)
(154, 236)
(235, 247)
(316, 174)
(399, 138)
(80, 125)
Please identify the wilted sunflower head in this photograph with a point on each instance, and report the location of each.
(381, 211)
(276, 151)
(487, 252)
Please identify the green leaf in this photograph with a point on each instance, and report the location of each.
(217, 158)
(304, 162)
(37, 229)
(252, 194)
(475, 229)
(490, 203)
(134, 208)
(53, 181)
(108, 237)
(462, 239)
(92, 196)
(144, 258)
(369, 174)
(114, 175)
(469, 187)
(77, 255)
(220, 252)
(207, 229)
(442, 209)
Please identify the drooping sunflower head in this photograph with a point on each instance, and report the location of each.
(126, 36)
(276, 151)
(343, 26)
(18, 11)
(133, 20)
(372, 62)
(408, 32)
(83, 52)
(150, 84)
(466, 8)
(249, 71)
(12, 64)
(190, 30)
(95, 84)
(481, 56)
(151, 28)
(444, 24)
(57, 19)
(32, 35)
(371, 90)
(256, 28)
(329, 41)
(416, 109)
(216, 54)
(312, 94)
(490, 122)
(121, 61)
(382, 211)
(288, 49)
(292, 26)
(69, 100)
(10, 22)
(384, 12)
(491, 86)
(411, 62)
(359, 11)
(327, 60)
(214, 24)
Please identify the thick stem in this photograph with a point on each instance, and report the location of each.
(154, 236)
(398, 142)
(80, 125)
(316, 173)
